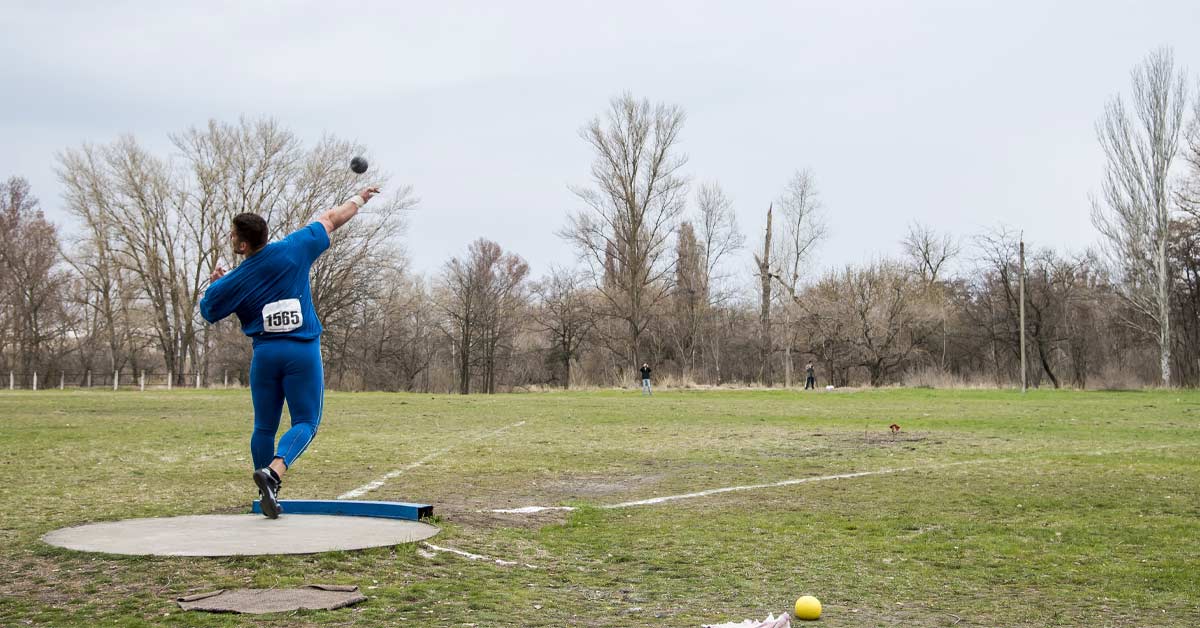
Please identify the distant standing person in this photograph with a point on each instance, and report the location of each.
(811, 379)
(645, 370)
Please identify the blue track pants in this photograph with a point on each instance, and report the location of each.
(285, 369)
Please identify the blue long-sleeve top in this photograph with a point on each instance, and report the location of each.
(270, 291)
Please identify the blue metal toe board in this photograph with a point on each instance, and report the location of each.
(386, 510)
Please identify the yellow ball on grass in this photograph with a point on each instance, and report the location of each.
(808, 607)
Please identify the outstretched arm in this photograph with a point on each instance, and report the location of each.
(214, 305)
(342, 214)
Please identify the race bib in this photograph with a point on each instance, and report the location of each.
(282, 316)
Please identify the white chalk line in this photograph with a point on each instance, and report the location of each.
(712, 491)
(434, 549)
(469, 555)
(751, 487)
(370, 486)
(528, 510)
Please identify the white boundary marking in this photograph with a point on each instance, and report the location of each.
(434, 549)
(751, 487)
(712, 491)
(529, 510)
(370, 486)
(469, 555)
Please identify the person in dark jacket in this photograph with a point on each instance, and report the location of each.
(811, 379)
(645, 370)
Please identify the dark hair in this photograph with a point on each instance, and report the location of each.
(251, 229)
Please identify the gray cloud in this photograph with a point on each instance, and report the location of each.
(962, 115)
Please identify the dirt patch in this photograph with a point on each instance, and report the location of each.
(482, 520)
(588, 486)
(901, 616)
(68, 580)
(475, 510)
(884, 438)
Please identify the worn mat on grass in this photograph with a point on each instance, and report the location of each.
(259, 601)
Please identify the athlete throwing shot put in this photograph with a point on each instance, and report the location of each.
(270, 293)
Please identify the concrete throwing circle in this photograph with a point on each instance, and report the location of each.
(239, 535)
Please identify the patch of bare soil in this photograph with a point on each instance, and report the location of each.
(885, 438)
(474, 509)
(482, 520)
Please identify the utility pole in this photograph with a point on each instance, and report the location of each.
(1024, 379)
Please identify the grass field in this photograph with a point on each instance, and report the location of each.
(993, 509)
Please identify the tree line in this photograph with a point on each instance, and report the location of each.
(656, 277)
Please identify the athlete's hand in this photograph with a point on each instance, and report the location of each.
(369, 192)
(216, 274)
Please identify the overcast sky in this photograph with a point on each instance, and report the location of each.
(963, 115)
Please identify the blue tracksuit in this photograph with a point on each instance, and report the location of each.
(271, 296)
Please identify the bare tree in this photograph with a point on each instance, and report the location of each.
(1189, 193)
(260, 167)
(803, 228)
(479, 296)
(161, 225)
(719, 238)
(718, 230)
(460, 297)
(927, 252)
(1134, 211)
(762, 261)
(632, 210)
(997, 278)
(1053, 286)
(872, 313)
(33, 287)
(562, 311)
(1185, 300)
(108, 291)
(407, 345)
(690, 297)
(139, 201)
(1060, 295)
(505, 302)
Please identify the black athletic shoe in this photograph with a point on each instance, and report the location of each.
(268, 491)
